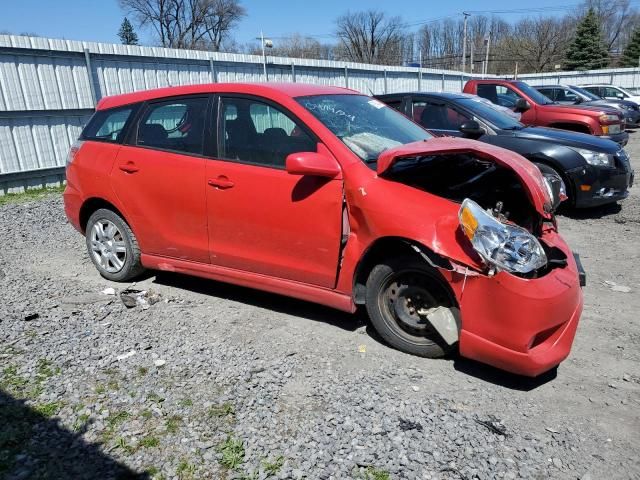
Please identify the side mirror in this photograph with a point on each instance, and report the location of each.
(471, 129)
(521, 106)
(312, 163)
(620, 96)
(578, 101)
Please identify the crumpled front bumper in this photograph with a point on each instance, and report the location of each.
(524, 326)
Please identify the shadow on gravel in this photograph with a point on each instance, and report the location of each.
(257, 298)
(592, 213)
(34, 446)
(500, 377)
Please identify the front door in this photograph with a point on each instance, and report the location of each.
(261, 218)
(160, 179)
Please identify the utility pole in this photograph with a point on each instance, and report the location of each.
(471, 57)
(420, 72)
(264, 43)
(464, 42)
(486, 58)
(515, 75)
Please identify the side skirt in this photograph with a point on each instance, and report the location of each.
(288, 288)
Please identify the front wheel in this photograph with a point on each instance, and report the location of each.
(112, 246)
(400, 293)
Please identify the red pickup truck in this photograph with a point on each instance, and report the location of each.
(536, 109)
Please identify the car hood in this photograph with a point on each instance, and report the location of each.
(565, 137)
(531, 177)
(586, 108)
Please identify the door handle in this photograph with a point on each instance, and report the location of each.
(220, 182)
(129, 167)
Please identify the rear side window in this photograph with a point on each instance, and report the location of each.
(107, 125)
(176, 125)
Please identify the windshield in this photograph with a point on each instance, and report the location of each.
(365, 125)
(490, 114)
(586, 93)
(533, 94)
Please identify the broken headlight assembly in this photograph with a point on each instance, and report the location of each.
(504, 246)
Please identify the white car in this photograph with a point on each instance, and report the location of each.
(613, 92)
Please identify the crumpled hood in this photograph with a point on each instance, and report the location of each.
(529, 174)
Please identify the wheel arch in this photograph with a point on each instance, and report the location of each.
(386, 247)
(92, 204)
(558, 168)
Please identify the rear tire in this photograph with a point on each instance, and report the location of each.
(398, 293)
(112, 246)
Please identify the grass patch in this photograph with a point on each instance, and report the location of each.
(173, 423)
(273, 467)
(117, 418)
(32, 194)
(48, 409)
(142, 371)
(155, 398)
(146, 414)
(373, 473)
(100, 389)
(185, 470)
(222, 410)
(45, 369)
(122, 444)
(80, 422)
(113, 385)
(12, 381)
(186, 402)
(149, 442)
(232, 450)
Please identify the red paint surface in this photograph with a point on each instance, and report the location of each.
(265, 228)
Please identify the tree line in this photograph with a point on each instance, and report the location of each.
(597, 34)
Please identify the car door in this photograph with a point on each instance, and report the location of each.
(613, 93)
(159, 177)
(438, 117)
(261, 218)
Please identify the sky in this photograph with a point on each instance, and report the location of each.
(99, 20)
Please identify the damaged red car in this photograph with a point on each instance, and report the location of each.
(330, 196)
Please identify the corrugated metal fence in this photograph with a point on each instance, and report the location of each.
(49, 88)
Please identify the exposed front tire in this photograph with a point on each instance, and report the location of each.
(112, 246)
(399, 294)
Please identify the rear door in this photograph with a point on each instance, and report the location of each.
(159, 177)
(438, 117)
(261, 218)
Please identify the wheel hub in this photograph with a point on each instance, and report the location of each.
(107, 246)
(410, 304)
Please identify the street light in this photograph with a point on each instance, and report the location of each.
(265, 43)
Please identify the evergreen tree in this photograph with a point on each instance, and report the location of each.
(126, 33)
(587, 52)
(631, 53)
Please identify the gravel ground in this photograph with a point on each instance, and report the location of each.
(216, 381)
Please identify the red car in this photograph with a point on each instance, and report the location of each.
(330, 196)
(536, 109)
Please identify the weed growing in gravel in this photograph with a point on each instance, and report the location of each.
(185, 470)
(100, 389)
(113, 385)
(149, 442)
(32, 194)
(12, 381)
(80, 422)
(117, 418)
(48, 409)
(222, 410)
(146, 414)
(273, 467)
(373, 473)
(232, 450)
(173, 423)
(122, 444)
(155, 398)
(142, 371)
(44, 369)
(186, 402)
(154, 473)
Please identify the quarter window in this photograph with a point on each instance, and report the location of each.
(255, 132)
(107, 125)
(176, 125)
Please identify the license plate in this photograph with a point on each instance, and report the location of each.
(613, 129)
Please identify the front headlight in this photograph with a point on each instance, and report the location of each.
(606, 118)
(626, 107)
(597, 159)
(507, 247)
